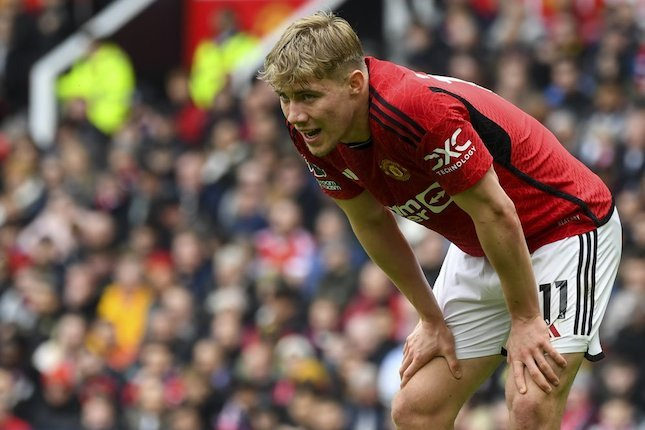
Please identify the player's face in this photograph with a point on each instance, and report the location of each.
(324, 112)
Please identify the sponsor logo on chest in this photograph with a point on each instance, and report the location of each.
(433, 200)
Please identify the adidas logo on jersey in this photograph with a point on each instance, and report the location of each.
(349, 174)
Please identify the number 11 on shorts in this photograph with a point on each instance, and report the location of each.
(546, 303)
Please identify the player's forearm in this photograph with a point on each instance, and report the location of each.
(386, 246)
(503, 242)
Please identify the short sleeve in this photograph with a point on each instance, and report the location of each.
(451, 149)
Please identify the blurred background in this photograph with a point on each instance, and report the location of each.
(168, 263)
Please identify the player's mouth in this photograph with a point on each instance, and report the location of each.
(310, 136)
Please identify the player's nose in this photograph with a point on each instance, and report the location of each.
(295, 114)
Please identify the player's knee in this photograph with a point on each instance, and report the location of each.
(411, 411)
(531, 407)
(400, 410)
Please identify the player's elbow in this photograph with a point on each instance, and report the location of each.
(375, 220)
(499, 211)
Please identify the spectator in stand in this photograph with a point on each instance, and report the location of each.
(328, 413)
(159, 148)
(9, 421)
(225, 151)
(512, 78)
(431, 250)
(189, 120)
(462, 33)
(228, 330)
(79, 175)
(285, 248)
(149, 410)
(266, 417)
(243, 208)
(339, 277)
(617, 413)
(216, 57)
(195, 199)
(630, 150)
(99, 413)
(14, 358)
(370, 334)
(375, 289)
(35, 305)
(104, 80)
(95, 378)
(627, 299)
(323, 322)
(365, 410)
(563, 124)
(56, 405)
(424, 49)
(210, 365)
(80, 290)
(182, 317)
(23, 190)
(514, 26)
(266, 135)
(232, 266)
(199, 395)
(64, 347)
(185, 418)
(193, 268)
(125, 305)
(156, 360)
(291, 181)
(567, 89)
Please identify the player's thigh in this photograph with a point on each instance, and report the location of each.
(433, 389)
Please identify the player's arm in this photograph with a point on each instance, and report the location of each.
(377, 230)
(500, 233)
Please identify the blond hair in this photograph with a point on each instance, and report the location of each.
(319, 46)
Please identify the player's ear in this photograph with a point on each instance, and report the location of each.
(356, 80)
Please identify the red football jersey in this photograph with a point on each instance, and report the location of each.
(434, 136)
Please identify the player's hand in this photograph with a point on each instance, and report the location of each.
(528, 345)
(426, 342)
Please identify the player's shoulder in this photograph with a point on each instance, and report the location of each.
(414, 94)
(394, 83)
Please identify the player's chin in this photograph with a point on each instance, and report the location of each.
(321, 150)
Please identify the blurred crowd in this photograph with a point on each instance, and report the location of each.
(185, 272)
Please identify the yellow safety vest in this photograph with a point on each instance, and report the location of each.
(106, 81)
(212, 63)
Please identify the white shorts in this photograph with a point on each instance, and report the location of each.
(575, 277)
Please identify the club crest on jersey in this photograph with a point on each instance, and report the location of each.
(394, 170)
